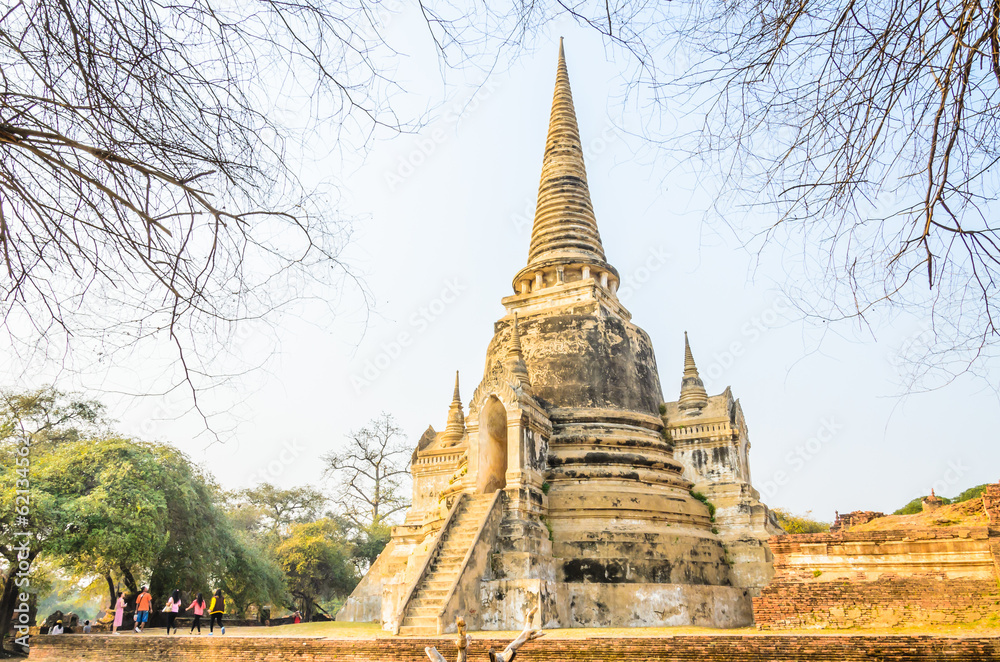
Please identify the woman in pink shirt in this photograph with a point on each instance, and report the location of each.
(119, 613)
(198, 608)
(173, 608)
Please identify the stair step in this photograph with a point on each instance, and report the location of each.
(424, 606)
(460, 534)
(437, 583)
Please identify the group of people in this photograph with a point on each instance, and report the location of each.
(59, 629)
(174, 607)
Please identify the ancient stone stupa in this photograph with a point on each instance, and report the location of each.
(571, 484)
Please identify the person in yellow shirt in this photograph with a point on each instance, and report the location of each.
(216, 610)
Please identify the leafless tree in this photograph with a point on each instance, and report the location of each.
(867, 134)
(370, 473)
(144, 186)
(149, 174)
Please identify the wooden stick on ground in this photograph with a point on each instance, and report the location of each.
(508, 654)
(462, 643)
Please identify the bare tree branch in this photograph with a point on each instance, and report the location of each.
(370, 473)
(866, 135)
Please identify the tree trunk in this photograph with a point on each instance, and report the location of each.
(129, 580)
(112, 593)
(307, 608)
(7, 601)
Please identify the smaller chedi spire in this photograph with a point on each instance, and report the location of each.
(455, 429)
(515, 359)
(693, 394)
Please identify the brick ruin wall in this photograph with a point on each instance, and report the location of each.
(847, 520)
(699, 648)
(991, 503)
(882, 579)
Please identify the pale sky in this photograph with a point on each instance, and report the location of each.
(444, 222)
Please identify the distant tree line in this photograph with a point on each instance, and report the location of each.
(916, 505)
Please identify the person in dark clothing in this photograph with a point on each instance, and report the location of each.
(215, 612)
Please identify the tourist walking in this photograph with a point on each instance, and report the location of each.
(173, 608)
(197, 607)
(142, 606)
(216, 610)
(119, 613)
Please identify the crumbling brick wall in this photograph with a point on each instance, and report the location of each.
(991, 503)
(877, 579)
(846, 520)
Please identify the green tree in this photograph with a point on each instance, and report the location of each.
(271, 510)
(800, 523)
(137, 511)
(368, 544)
(31, 424)
(142, 509)
(47, 416)
(252, 575)
(916, 505)
(316, 559)
(107, 497)
(971, 493)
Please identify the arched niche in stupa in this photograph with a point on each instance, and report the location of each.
(492, 447)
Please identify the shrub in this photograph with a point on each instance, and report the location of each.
(799, 524)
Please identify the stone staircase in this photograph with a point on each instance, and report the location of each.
(420, 615)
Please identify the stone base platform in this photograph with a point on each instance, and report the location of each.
(700, 648)
(611, 605)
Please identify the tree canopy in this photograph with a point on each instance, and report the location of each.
(915, 506)
(119, 510)
(316, 559)
(799, 523)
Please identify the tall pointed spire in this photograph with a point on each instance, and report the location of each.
(693, 394)
(564, 215)
(455, 429)
(565, 228)
(515, 359)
